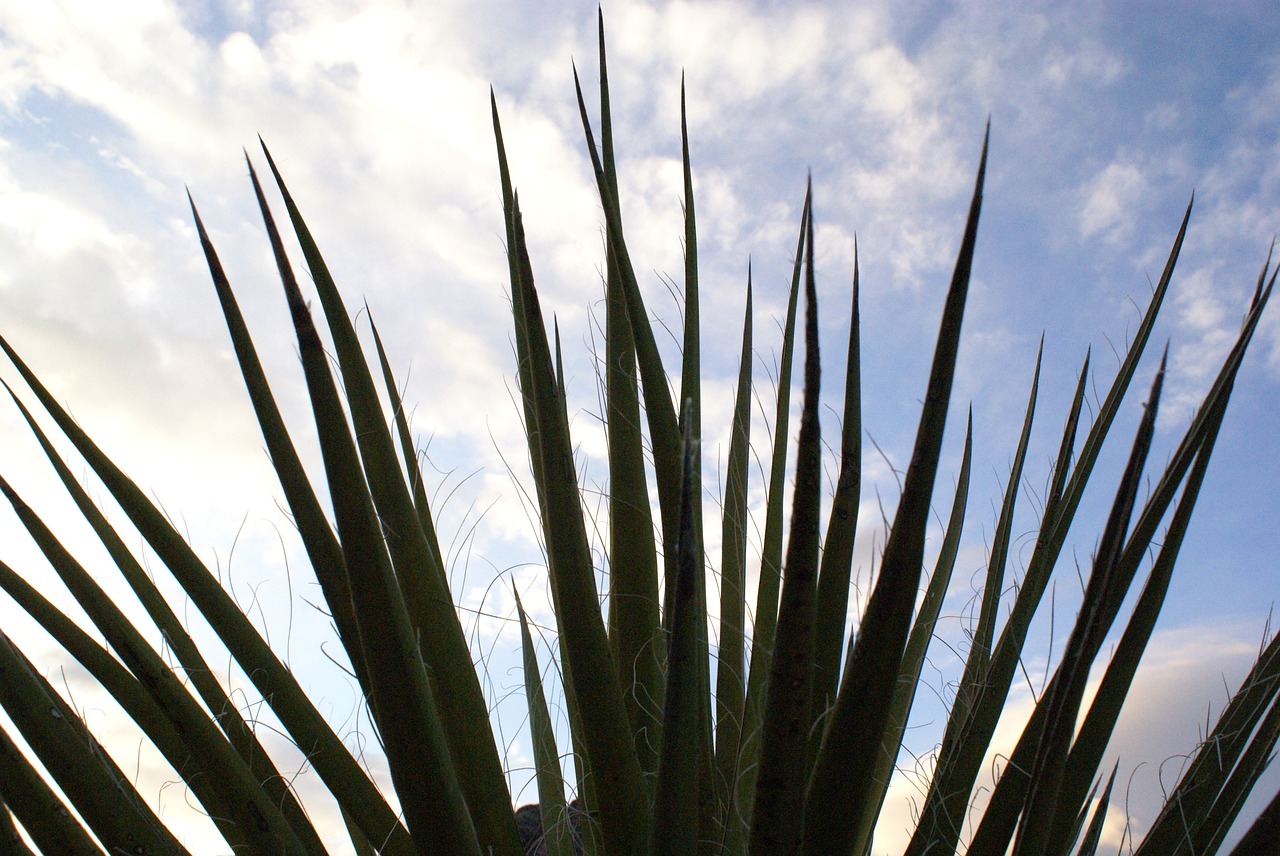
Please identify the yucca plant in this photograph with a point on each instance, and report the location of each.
(789, 747)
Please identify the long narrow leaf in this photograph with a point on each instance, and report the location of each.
(146, 664)
(679, 797)
(323, 549)
(1231, 797)
(731, 655)
(407, 450)
(41, 812)
(553, 812)
(1063, 701)
(421, 769)
(1094, 732)
(711, 810)
(659, 410)
(913, 657)
(778, 809)
(604, 728)
(133, 698)
(635, 623)
(420, 579)
(842, 526)
(1262, 833)
(1089, 845)
(1002, 811)
(738, 813)
(979, 661)
(967, 737)
(854, 735)
(1209, 768)
(520, 272)
(97, 788)
(256, 797)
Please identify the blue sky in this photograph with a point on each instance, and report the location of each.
(1105, 117)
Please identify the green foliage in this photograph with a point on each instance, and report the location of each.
(792, 753)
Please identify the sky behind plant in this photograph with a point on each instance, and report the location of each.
(1105, 117)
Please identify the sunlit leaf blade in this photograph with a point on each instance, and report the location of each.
(853, 738)
(913, 657)
(731, 655)
(604, 728)
(546, 758)
(842, 527)
(967, 737)
(1065, 696)
(679, 798)
(766, 615)
(112, 809)
(41, 812)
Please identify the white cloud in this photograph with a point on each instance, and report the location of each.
(243, 59)
(1111, 202)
